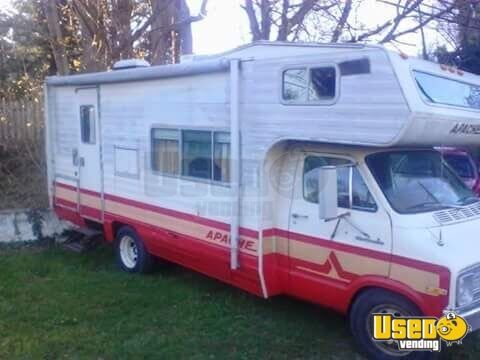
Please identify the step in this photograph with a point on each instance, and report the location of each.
(76, 247)
(88, 232)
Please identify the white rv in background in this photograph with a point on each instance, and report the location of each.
(299, 169)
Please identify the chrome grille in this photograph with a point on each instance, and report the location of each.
(476, 286)
(457, 214)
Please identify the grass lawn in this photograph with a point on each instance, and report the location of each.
(55, 304)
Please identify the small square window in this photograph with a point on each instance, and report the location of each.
(295, 84)
(322, 84)
(87, 124)
(309, 85)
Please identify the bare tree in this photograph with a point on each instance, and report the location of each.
(462, 34)
(408, 10)
(110, 30)
(280, 18)
(334, 20)
(50, 8)
(171, 29)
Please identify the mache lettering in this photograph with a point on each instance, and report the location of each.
(468, 129)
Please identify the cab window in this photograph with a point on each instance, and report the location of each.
(359, 198)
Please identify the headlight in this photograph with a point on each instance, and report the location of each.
(465, 289)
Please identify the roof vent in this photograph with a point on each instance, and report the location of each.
(130, 64)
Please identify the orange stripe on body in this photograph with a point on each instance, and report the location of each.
(419, 280)
(180, 226)
(336, 264)
(170, 223)
(345, 266)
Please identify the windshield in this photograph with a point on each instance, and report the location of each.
(461, 164)
(418, 181)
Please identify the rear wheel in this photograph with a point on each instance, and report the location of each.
(131, 253)
(377, 301)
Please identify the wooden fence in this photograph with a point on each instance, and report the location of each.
(20, 122)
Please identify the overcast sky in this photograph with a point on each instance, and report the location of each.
(226, 25)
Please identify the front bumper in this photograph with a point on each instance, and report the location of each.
(472, 317)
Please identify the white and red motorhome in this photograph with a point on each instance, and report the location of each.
(299, 169)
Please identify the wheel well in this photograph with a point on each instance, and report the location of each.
(116, 226)
(372, 288)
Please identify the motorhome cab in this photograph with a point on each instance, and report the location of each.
(298, 169)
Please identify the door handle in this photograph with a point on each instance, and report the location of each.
(75, 157)
(299, 216)
(369, 240)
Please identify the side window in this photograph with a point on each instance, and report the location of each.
(309, 85)
(295, 84)
(322, 84)
(197, 154)
(310, 176)
(221, 160)
(191, 153)
(361, 198)
(87, 124)
(166, 151)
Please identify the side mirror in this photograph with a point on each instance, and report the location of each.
(327, 192)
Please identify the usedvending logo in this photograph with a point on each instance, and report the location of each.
(420, 333)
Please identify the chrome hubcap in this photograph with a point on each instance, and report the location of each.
(388, 347)
(128, 251)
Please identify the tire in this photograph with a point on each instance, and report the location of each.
(131, 254)
(373, 301)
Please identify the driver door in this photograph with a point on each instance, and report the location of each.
(339, 250)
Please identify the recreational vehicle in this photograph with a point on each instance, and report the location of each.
(305, 170)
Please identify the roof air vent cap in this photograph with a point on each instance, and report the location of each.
(130, 64)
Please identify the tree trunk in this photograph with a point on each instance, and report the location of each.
(56, 36)
(121, 20)
(185, 30)
(161, 36)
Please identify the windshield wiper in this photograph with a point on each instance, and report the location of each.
(437, 202)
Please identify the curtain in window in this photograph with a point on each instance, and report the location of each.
(222, 157)
(165, 159)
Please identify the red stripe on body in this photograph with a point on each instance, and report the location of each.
(340, 293)
(164, 211)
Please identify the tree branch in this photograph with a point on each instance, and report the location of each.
(252, 19)
(342, 21)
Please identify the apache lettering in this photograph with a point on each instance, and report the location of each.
(462, 128)
(225, 239)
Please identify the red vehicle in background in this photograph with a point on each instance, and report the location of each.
(464, 165)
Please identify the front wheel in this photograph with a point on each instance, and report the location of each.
(131, 253)
(377, 301)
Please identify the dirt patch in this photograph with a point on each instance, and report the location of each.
(23, 183)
